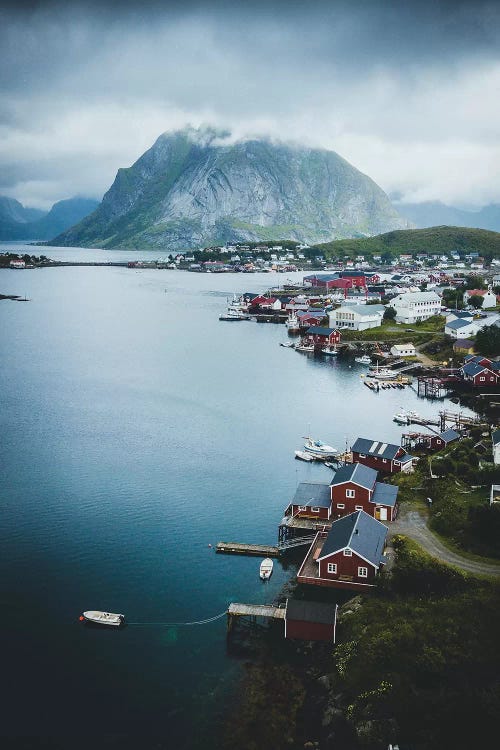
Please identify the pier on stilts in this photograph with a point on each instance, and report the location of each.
(264, 550)
(251, 613)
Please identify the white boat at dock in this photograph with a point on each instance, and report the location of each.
(110, 619)
(233, 315)
(318, 448)
(406, 417)
(364, 360)
(330, 350)
(381, 373)
(292, 323)
(288, 344)
(266, 568)
(304, 348)
(303, 456)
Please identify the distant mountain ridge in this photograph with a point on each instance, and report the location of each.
(20, 223)
(435, 213)
(196, 188)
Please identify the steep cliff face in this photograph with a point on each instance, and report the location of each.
(195, 188)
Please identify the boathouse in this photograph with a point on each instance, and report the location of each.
(478, 375)
(310, 318)
(349, 556)
(310, 621)
(385, 457)
(437, 442)
(311, 500)
(321, 336)
(354, 487)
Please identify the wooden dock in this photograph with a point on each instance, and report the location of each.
(252, 611)
(236, 548)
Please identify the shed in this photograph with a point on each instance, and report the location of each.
(310, 621)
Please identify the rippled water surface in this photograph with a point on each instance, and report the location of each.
(136, 430)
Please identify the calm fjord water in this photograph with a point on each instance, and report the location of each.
(137, 429)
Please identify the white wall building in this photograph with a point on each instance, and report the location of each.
(414, 306)
(403, 350)
(357, 317)
(489, 297)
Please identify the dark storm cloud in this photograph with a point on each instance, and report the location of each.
(401, 89)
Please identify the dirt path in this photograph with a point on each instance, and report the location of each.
(412, 524)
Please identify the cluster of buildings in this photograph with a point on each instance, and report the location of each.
(349, 516)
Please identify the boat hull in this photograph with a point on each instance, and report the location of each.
(266, 569)
(106, 619)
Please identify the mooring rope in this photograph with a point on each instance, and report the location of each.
(180, 624)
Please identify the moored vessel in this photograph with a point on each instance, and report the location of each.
(364, 360)
(318, 448)
(266, 568)
(97, 617)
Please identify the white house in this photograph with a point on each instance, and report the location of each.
(357, 317)
(413, 306)
(461, 328)
(489, 297)
(495, 439)
(403, 350)
(17, 263)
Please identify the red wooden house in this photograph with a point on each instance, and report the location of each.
(349, 556)
(384, 457)
(311, 500)
(321, 336)
(354, 487)
(310, 318)
(437, 442)
(310, 621)
(480, 371)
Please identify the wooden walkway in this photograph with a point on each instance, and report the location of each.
(252, 611)
(236, 548)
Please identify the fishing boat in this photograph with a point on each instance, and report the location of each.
(292, 323)
(303, 456)
(233, 315)
(266, 568)
(318, 448)
(406, 417)
(382, 373)
(364, 360)
(304, 348)
(330, 350)
(288, 344)
(110, 619)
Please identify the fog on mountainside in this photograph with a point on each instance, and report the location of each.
(20, 223)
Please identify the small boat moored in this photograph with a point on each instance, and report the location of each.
(303, 456)
(364, 360)
(102, 618)
(318, 448)
(266, 568)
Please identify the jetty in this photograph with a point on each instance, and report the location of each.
(252, 611)
(236, 548)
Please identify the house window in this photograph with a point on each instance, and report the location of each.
(396, 463)
(358, 507)
(347, 553)
(362, 455)
(384, 460)
(350, 493)
(481, 379)
(315, 510)
(302, 507)
(340, 505)
(363, 572)
(332, 567)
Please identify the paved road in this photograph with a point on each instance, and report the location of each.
(413, 524)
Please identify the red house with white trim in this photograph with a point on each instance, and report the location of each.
(349, 556)
(354, 487)
(385, 457)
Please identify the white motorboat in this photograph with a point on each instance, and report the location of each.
(364, 360)
(266, 568)
(330, 350)
(288, 344)
(303, 456)
(304, 348)
(233, 315)
(406, 417)
(318, 448)
(103, 618)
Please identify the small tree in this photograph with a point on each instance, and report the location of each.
(476, 301)
(390, 313)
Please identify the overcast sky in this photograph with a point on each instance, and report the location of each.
(408, 92)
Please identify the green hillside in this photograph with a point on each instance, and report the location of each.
(431, 240)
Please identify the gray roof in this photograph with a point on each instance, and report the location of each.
(357, 473)
(449, 435)
(320, 331)
(455, 325)
(311, 611)
(376, 448)
(359, 532)
(472, 369)
(311, 494)
(385, 494)
(363, 309)
(495, 436)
